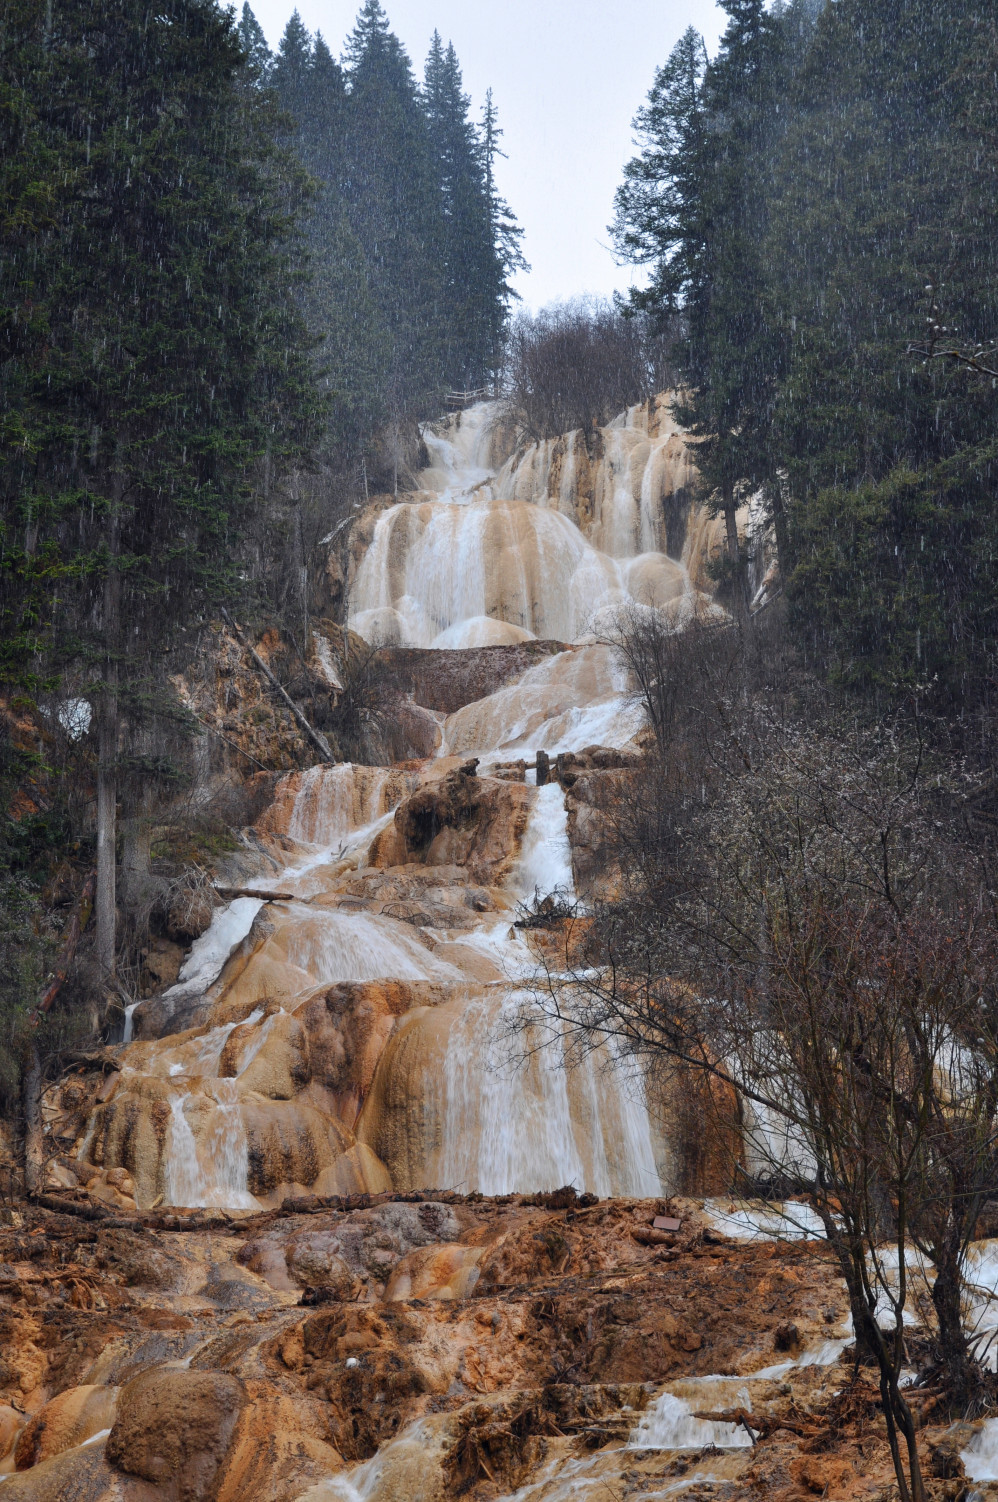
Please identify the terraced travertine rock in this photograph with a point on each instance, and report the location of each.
(472, 1346)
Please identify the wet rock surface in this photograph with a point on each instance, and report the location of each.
(473, 1346)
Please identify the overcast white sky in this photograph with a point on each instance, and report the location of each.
(567, 77)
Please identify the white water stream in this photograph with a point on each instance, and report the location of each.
(488, 552)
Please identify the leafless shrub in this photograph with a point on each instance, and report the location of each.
(575, 365)
(805, 926)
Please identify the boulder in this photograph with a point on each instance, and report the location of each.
(174, 1429)
(435, 1272)
(462, 820)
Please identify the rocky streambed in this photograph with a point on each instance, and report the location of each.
(425, 1347)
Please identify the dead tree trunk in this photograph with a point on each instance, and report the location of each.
(107, 800)
(316, 737)
(105, 905)
(31, 1107)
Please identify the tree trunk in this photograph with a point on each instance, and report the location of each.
(318, 740)
(739, 579)
(781, 532)
(105, 904)
(962, 1373)
(31, 1106)
(731, 524)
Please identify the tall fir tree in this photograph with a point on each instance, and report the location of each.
(156, 354)
(254, 44)
(657, 220)
(395, 206)
(475, 286)
(506, 233)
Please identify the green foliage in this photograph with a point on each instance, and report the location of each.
(475, 250)
(152, 352)
(794, 200)
(410, 245)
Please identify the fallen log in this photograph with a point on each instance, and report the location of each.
(316, 737)
(759, 1425)
(228, 893)
(86, 1210)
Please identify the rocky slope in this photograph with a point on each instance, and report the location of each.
(426, 1347)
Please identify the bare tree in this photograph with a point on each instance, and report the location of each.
(802, 929)
(575, 365)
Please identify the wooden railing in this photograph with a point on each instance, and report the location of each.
(456, 401)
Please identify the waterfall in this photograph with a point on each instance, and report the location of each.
(493, 549)
(212, 1167)
(334, 803)
(545, 863)
(516, 1109)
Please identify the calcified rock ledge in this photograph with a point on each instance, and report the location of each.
(427, 1347)
(241, 1284)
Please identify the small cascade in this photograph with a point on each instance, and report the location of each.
(515, 1113)
(670, 1424)
(332, 946)
(210, 1169)
(461, 453)
(545, 863)
(127, 1031)
(549, 547)
(565, 703)
(333, 803)
(229, 927)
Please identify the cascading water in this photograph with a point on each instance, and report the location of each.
(547, 545)
(514, 1111)
(504, 559)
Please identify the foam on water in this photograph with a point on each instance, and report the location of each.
(208, 955)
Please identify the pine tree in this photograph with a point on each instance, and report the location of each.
(254, 44)
(337, 298)
(395, 208)
(693, 206)
(729, 360)
(292, 70)
(657, 220)
(469, 258)
(156, 352)
(505, 233)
